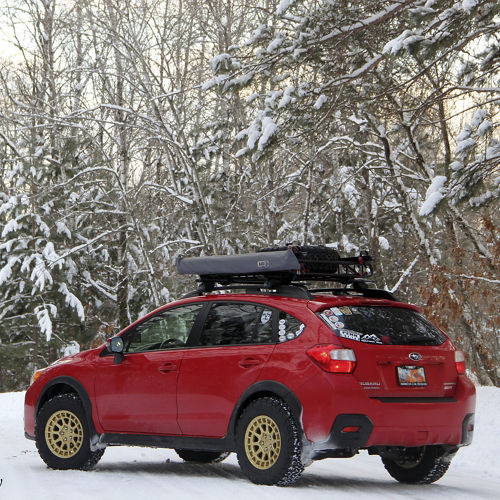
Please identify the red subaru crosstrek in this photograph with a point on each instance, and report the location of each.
(280, 374)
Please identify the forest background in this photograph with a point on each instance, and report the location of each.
(134, 131)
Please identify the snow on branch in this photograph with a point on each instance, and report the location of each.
(84, 245)
(469, 277)
(377, 18)
(43, 314)
(405, 274)
(72, 301)
(283, 6)
(170, 191)
(435, 193)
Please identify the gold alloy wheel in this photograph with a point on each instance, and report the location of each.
(64, 434)
(262, 442)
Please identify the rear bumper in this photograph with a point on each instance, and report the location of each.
(355, 431)
(353, 420)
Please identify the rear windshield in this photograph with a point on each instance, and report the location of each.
(382, 325)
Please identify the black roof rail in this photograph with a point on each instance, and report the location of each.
(293, 290)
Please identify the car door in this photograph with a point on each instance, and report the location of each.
(139, 394)
(236, 341)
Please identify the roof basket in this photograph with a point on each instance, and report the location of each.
(276, 268)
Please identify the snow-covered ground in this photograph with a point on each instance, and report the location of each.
(132, 473)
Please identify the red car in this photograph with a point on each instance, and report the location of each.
(280, 374)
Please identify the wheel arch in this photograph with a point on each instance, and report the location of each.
(266, 388)
(67, 385)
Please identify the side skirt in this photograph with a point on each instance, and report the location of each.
(180, 442)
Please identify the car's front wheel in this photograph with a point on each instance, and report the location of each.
(422, 465)
(62, 434)
(269, 443)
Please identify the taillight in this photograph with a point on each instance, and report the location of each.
(332, 358)
(460, 362)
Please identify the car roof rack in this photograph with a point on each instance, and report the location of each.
(282, 272)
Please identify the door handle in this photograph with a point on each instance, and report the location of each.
(167, 367)
(249, 362)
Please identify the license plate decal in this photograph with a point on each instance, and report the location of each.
(411, 376)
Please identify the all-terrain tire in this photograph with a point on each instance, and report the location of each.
(202, 457)
(313, 258)
(269, 443)
(426, 466)
(62, 434)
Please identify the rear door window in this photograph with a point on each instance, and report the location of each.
(382, 325)
(237, 324)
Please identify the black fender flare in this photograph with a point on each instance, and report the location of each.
(262, 389)
(79, 390)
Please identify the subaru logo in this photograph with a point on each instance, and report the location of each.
(415, 356)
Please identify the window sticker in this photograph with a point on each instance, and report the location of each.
(336, 311)
(345, 310)
(290, 336)
(282, 338)
(266, 316)
(300, 330)
(351, 335)
(371, 339)
(328, 320)
(339, 325)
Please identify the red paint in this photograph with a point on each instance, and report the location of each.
(193, 391)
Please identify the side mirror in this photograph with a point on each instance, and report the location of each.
(115, 345)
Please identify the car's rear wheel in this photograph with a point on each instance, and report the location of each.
(202, 457)
(268, 443)
(62, 434)
(422, 465)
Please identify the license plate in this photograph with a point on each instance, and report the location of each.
(411, 375)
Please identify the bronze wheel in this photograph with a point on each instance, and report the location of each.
(64, 434)
(269, 442)
(262, 442)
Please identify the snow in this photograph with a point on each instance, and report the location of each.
(284, 6)
(72, 301)
(384, 243)
(478, 117)
(406, 39)
(464, 145)
(11, 227)
(43, 317)
(220, 60)
(320, 101)
(6, 271)
(72, 348)
(130, 473)
(269, 128)
(287, 97)
(435, 193)
(468, 5)
(217, 80)
(484, 128)
(274, 44)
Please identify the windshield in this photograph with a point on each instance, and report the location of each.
(382, 325)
